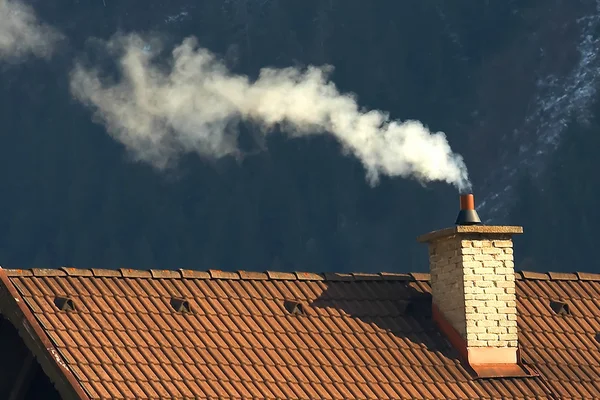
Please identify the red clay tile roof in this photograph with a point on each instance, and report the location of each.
(359, 336)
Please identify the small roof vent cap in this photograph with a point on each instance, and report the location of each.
(181, 305)
(64, 303)
(293, 307)
(560, 307)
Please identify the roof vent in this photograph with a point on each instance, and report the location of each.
(180, 305)
(560, 308)
(64, 303)
(293, 307)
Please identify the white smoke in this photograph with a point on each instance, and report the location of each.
(195, 104)
(22, 34)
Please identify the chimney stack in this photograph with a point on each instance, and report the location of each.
(473, 287)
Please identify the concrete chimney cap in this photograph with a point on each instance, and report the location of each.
(466, 229)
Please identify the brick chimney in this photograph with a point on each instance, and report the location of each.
(473, 288)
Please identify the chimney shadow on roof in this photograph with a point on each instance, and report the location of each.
(401, 308)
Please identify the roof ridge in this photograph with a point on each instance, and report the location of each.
(274, 275)
(215, 274)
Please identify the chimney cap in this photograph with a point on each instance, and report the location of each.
(467, 229)
(467, 214)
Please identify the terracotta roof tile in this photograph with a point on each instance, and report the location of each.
(563, 276)
(193, 274)
(274, 275)
(335, 276)
(586, 276)
(533, 275)
(165, 273)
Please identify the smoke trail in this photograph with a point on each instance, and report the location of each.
(195, 105)
(22, 34)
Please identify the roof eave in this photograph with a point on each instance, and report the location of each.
(13, 307)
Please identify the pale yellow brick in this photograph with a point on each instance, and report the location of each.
(466, 243)
(484, 284)
(502, 270)
(511, 317)
(473, 264)
(495, 303)
(475, 277)
(505, 284)
(474, 290)
(494, 278)
(497, 343)
(485, 296)
(508, 336)
(477, 329)
(497, 330)
(491, 250)
(497, 317)
(484, 257)
(493, 264)
(482, 243)
(507, 310)
(510, 290)
(513, 343)
(511, 329)
(508, 251)
(502, 243)
(486, 323)
(506, 297)
(469, 251)
(488, 336)
(496, 289)
(486, 310)
(483, 270)
(476, 317)
(447, 260)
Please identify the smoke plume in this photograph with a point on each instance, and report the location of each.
(22, 34)
(195, 105)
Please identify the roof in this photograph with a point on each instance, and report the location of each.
(287, 335)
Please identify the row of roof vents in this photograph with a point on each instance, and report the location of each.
(178, 304)
(410, 307)
(296, 308)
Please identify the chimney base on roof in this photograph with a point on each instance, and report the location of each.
(484, 362)
(490, 355)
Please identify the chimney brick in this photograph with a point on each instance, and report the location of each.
(473, 283)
